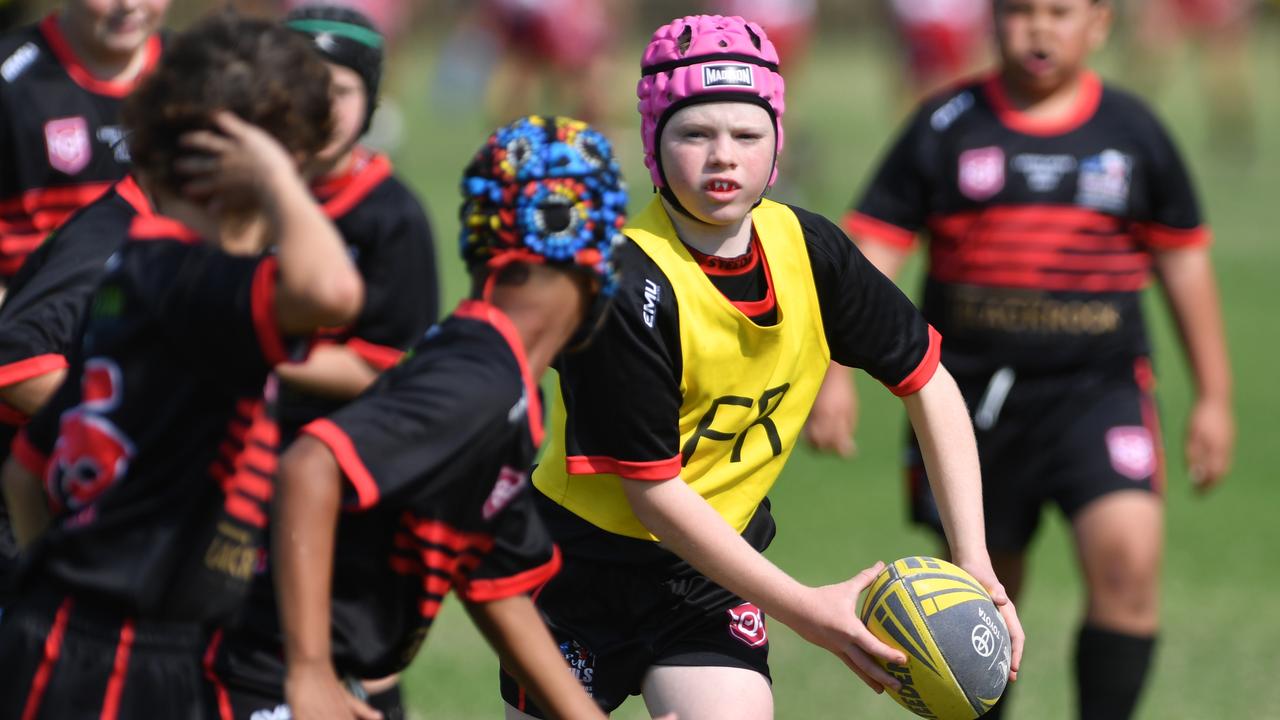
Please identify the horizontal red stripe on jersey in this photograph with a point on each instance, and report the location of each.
(490, 589)
(978, 257)
(860, 226)
(443, 535)
(11, 262)
(429, 608)
(16, 372)
(378, 356)
(924, 371)
(436, 585)
(1045, 280)
(66, 197)
(1068, 218)
(406, 565)
(649, 470)
(248, 511)
(344, 451)
(1163, 237)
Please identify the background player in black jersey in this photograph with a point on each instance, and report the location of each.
(1048, 199)
(156, 455)
(390, 240)
(61, 85)
(422, 482)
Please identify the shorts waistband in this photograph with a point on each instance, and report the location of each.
(90, 618)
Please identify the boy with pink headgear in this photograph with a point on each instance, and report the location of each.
(675, 422)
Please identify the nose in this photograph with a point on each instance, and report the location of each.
(722, 151)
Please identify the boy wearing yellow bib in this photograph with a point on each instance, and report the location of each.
(677, 419)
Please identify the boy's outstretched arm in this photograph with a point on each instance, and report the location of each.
(528, 653)
(942, 426)
(1186, 274)
(308, 500)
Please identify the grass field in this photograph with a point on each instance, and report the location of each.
(1220, 651)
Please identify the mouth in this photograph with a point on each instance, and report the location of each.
(721, 185)
(1039, 61)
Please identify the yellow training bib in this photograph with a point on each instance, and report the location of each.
(747, 390)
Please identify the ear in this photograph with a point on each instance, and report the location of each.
(1100, 16)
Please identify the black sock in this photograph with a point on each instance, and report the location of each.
(389, 703)
(1111, 669)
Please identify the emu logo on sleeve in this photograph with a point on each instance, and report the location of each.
(981, 172)
(727, 75)
(1104, 181)
(67, 142)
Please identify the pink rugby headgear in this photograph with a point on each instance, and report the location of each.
(706, 58)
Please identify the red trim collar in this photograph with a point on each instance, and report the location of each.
(342, 192)
(159, 227)
(740, 265)
(1088, 96)
(484, 312)
(77, 70)
(131, 191)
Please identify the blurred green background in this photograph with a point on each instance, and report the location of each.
(1219, 653)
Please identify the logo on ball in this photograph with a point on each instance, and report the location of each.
(983, 643)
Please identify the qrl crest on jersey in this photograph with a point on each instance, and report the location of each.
(981, 172)
(67, 142)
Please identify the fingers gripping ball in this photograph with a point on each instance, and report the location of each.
(956, 643)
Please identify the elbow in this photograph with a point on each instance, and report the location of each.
(338, 299)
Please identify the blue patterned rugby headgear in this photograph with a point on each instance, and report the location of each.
(544, 190)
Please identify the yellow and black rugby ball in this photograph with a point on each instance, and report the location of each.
(956, 643)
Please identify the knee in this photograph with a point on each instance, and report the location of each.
(1125, 584)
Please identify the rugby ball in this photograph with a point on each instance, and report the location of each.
(956, 643)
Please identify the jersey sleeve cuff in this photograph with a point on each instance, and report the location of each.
(381, 357)
(490, 589)
(861, 226)
(1163, 237)
(650, 471)
(16, 372)
(923, 373)
(263, 302)
(28, 455)
(353, 468)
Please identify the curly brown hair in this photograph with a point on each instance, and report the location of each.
(259, 70)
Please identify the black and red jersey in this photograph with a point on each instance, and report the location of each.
(1040, 234)
(436, 458)
(157, 454)
(61, 144)
(390, 240)
(44, 305)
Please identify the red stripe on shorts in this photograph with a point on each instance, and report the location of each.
(52, 648)
(119, 668)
